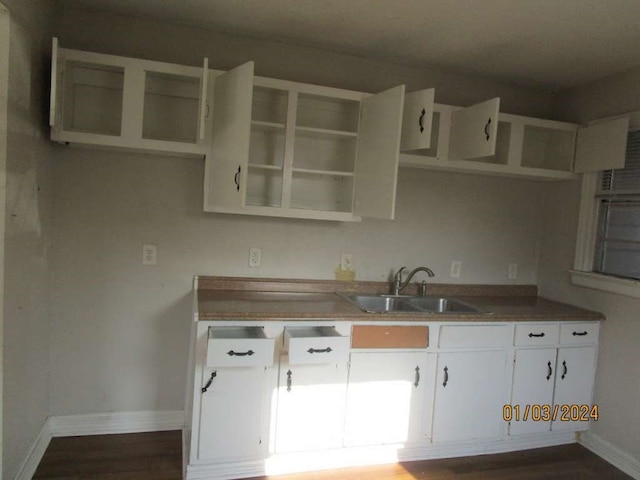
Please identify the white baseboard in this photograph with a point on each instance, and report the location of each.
(36, 452)
(97, 424)
(116, 422)
(612, 454)
(279, 464)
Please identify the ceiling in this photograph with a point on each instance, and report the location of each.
(550, 44)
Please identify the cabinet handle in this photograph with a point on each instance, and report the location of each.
(486, 129)
(580, 334)
(231, 353)
(421, 119)
(236, 179)
(550, 371)
(320, 350)
(209, 382)
(539, 335)
(446, 377)
(417, 382)
(289, 381)
(564, 366)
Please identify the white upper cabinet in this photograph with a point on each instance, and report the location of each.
(127, 103)
(296, 150)
(602, 146)
(417, 120)
(474, 130)
(226, 164)
(376, 172)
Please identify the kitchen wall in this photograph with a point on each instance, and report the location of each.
(617, 390)
(4, 90)
(27, 230)
(119, 330)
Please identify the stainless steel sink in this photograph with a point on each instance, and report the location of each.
(382, 303)
(409, 304)
(441, 305)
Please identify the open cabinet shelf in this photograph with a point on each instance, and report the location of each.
(130, 104)
(303, 157)
(523, 146)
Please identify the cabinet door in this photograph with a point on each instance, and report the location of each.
(417, 119)
(310, 410)
(574, 385)
(474, 131)
(376, 171)
(602, 146)
(386, 397)
(469, 396)
(225, 175)
(231, 413)
(533, 380)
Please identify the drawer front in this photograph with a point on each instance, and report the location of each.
(532, 334)
(240, 352)
(306, 350)
(389, 336)
(579, 333)
(475, 336)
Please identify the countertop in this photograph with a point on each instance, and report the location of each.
(228, 298)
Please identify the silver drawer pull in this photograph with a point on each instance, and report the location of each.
(231, 353)
(320, 350)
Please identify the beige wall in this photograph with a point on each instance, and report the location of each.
(617, 390)
(141, 38)
(28, 224)
(119, 331)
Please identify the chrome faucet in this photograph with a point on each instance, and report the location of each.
(398, 284)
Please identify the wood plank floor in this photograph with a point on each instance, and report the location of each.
(157, 456)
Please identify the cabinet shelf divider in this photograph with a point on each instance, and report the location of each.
(333, 173)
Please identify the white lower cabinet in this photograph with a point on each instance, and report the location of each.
(310, 406)
(389, 397)
(231, 413)
(575, 375)
(552, 387)
(533, 382)
(346, 391)
(469, 395)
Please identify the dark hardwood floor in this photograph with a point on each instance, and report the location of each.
(157, 456)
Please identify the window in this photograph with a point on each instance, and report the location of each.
(617, 249)
(608, 243)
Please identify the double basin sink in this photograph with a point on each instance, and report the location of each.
(410, 304)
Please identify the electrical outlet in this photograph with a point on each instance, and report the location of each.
(513, 271)
(346, 262)
(456, 268)
(255, 257)
(149, 254)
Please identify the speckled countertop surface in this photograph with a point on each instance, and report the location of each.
(228, 298)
